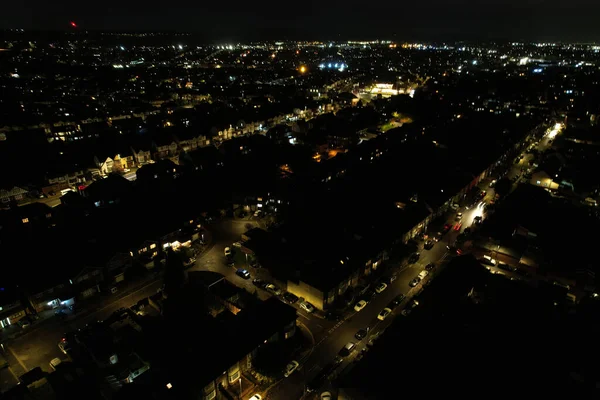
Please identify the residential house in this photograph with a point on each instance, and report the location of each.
(189, 139)
(161, 170)
(94, 130)
(63, 178)
(127, 125)
(164, 145)
(34, 214)
(108, 191)
(16, 194)
(202, 159)
(64, 132)
(264, 323)
(11, 307)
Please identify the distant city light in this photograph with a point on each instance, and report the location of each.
(302, 69)
(73, 24)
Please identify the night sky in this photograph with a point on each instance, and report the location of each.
(540, 20)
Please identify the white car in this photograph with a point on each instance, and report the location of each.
(237, 244)
(326, 396)
(381, 287)
(227, 251)
(290, 368)
(360, 305)
(384, 313)
(256, 397)
(273, 289)
(306, 306)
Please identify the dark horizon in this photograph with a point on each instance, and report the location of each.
(532, 20)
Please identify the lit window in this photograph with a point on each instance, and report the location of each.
(25, 220)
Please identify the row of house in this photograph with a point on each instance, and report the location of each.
(321, 267)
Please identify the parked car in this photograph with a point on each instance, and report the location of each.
(347, 349)
(398, 299)
(384, 313)
(360, 305)
(306, 306)
(243, 273)
(227, 252)
(430, 267)
(290, 297)
(273, 289)
(326, 396)
(428, 245)
(258, 283)
(361, 334)
(414, 282)
(256, 397)
(290, 368)
(381, 287)
(237, 244)
(414, 257)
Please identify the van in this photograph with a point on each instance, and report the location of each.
(423, 274)
(55, 363)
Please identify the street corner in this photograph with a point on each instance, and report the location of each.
(307, 334)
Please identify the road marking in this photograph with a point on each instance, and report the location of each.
(313, 368)
(303, 316)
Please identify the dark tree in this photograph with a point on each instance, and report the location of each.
(174, 277)
(502, 187)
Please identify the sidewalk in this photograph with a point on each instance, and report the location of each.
(88, 306)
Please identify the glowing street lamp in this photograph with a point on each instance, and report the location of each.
(302, 69)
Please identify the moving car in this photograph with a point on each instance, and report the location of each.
(430, 267)
(360, 305)
(384, 313)
(457, 226)
(428, 245)
(243, 273)
(306, 306)
(459, 216)
(237, 244)
(381, 287)
(290, 368)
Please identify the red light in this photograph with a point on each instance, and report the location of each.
(73, 24)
